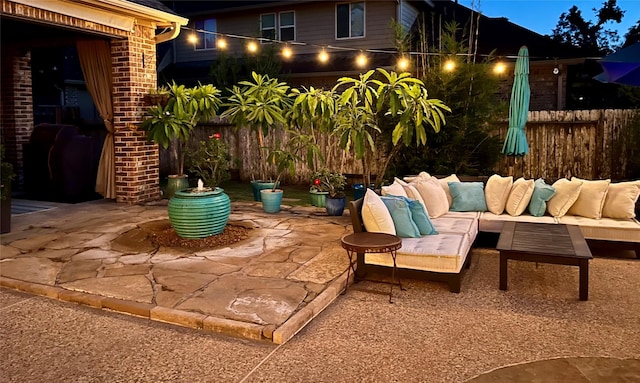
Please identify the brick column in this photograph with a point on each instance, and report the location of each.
(134, 73)
(16, 106)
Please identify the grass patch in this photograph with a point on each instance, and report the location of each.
(296, 195)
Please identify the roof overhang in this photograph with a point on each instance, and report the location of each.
(118, 14)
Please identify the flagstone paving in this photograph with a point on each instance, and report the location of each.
(100, 253)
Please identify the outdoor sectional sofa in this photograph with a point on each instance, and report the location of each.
(443, 256)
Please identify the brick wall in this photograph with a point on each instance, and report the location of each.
(134, 73)
(16, 107)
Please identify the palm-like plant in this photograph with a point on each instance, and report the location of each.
(366, 100)
(260, 104)
(172, 124)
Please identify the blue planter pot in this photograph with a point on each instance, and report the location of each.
(271, 200)
(358, 191)
(260, 185)
(335, 206)
(199, 214)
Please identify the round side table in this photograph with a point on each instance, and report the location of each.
(371, 243)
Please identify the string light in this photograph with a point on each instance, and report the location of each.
(287, 53)
(361, 60)
(499, 68)
(221, 43)
(403, 63)
(193, 38)
(323, 56)
(449, 65)
(252, 47)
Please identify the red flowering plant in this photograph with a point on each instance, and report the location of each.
(333, 183)
(316, 181)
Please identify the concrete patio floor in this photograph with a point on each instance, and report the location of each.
(266, 287)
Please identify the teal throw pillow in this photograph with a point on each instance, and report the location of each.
(418, 215)
(467, 196)
(541, 194)
(401, 216)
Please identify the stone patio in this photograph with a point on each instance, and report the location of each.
(99, 253)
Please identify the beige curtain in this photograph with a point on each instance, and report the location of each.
(95, 60)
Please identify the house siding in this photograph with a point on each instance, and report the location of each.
(315, 24)
(408, 15)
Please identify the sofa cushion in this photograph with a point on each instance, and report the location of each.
(467, 196)
(591, 198)
(375, 215)
(394, 189)
(519, 198)
(434, 197)
(492, 223)
(456, 225)
(410, 190)
(497, 192)
(606, 229)
(621, 199)
(444, 182)
(567, 193)
(401, 216)
(541, 194)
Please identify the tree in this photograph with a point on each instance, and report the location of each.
(573, 29)
(632, 36)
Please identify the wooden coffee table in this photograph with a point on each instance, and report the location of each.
(545, 243)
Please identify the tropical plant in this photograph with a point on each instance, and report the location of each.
(284, 157)
(365, 103)
(6, 175)
(334, 183)
(316, 180)
(261, 106)
(171, 125)
(210, 161)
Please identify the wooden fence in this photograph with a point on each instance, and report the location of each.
(589, 144)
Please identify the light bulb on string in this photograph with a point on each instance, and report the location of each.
(252, 47)
(323, 56)
(221, 43)
(403, 63)
(499, 68)
(193, 38)
(361, 60)
(449, 65)
(287, 53)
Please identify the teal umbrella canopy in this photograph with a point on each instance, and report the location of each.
(515, 144)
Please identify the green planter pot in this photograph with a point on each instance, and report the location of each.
(260, 185)
(318, 198)
(176, 183)
(199, 214)
(271, 200)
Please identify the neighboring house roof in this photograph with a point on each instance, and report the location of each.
(154, 4)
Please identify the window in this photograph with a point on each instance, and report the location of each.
(205, 40)
(284, 29)
(287, 26)
(268, 26)
(350, 20)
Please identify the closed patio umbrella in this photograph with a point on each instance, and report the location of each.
(515, 144)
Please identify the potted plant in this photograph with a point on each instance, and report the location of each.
(284, 159)
(157, 96)
(261, 106)
(335, 201)
(318, 190)
(6, 176)
(170, 125)
(203, 211)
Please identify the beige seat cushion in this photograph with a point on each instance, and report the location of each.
(567, 193)
(621, 200)
(496, 193)
(434, 197)
(375, 215)
(591, 198)
(519, 198)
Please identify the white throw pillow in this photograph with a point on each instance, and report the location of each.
(591, 198)
(567, 193)
(621, 200)
(444, 182)
(496, 193)
(394, 189)
(520, 196)
(375, 215)
(434, 197)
